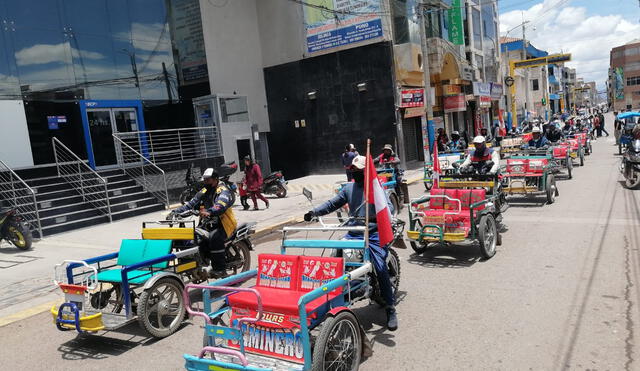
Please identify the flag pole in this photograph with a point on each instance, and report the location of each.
(367, 189)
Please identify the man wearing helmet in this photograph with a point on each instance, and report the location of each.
(539, 140)
(481, 155)
(353, 194)
(214, 202)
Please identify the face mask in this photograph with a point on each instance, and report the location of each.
(358, 176)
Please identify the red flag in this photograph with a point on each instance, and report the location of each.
(436, 167)
(378, 198)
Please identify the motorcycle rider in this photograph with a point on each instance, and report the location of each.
(553, 133)
(353, 194)
(388, 159)
(481, 155)
(567, 129)
(539, 140)
(214, 204)
(456, 143)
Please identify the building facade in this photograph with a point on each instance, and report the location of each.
(81, 71)
(624, 77)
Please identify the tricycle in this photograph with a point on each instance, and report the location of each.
(466, 208)
(446, 160)
(530, 173)
(143, 281)
(389, 179)
(298, 314)
(626, 137)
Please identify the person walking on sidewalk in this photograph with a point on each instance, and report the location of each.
(347, 158)
(253, 180)
(602, 129)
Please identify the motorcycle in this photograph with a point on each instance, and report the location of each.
(238, 246)
(14, 229)
(275, 184)
(630, 166)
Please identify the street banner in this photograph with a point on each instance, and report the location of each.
(456, 30)
(619, 87)
(333, 23)
(496, 91)
(449, 90)
(482, 89)
(484, 101)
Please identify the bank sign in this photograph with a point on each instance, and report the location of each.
(334, 23)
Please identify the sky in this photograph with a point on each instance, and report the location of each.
(588, 29)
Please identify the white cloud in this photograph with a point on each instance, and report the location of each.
(558, 27)
(48, 53)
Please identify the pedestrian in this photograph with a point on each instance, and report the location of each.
(485, 133)
(442, 140)
(596, 125)
(602, 124)
(617, 127)
(253, 180)
(347, 158)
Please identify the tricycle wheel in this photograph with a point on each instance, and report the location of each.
(570, 167)
(418, 247)
(339, 346)
(487, 232)
(428, 184)
(396, 204)
(161, 308)
(582, 157)
(631, 177)
(393, 267)
(619, 147)
(551, 189)
(107, 299)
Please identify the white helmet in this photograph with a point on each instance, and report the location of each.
(536, 129)
(209, 173)
(479, 139)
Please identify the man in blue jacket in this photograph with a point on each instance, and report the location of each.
(353, 194)
(538, 140)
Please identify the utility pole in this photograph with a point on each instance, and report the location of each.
(427, 118)
(526, 71)
(166, 82)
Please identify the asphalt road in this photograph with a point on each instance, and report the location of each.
(561, 292)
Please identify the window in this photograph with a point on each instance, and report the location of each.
(632, 81)
(631, 51)
(535, 85)
(632, 66)
(477, 34)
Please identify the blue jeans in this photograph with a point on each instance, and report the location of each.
(378, 255)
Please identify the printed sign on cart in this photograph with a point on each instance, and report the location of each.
(334, 23)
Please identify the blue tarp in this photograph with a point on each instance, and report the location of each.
(624, 115)
(554, 96)
(517, 45)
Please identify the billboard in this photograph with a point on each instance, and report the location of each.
(333, 23)
(619, 84)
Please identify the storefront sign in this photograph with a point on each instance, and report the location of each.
(496, 91)
(455, 103)
(482, 89)
(449, 90)
(456, 30)
(484, 101)
(467, 73)
(334, 23)
(55, 121)
(413, 112)
(412, 98)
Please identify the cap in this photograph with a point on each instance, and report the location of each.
(536, 129)
(479, 139)
(359, 162)
(387, 146)
(209, 173)
(455, 132)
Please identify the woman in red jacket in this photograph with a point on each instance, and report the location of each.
(253, 180)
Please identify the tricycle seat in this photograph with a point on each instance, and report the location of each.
(284, 279)
(133, 252)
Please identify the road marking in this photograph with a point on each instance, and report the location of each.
(571, 220)
(24, 314)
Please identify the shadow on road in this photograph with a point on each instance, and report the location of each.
(447, 257)
(525, 202)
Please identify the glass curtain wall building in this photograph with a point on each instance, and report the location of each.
(111, 65)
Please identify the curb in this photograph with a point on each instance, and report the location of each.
(265, 231)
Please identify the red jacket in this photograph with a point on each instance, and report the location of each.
(253, 177)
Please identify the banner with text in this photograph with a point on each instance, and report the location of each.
(334, 23)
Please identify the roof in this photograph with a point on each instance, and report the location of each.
(508, 39)
(517, 45)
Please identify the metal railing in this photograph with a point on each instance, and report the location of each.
(142, 170)
(89, 184)
(15, 192)
(172, 145)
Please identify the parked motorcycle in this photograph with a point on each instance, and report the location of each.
(274, 184)
(194, 185)
(630, 166)
(14, 229)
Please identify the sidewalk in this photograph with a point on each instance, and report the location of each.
(26, 286)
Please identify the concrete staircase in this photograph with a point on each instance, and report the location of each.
(61, 208)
